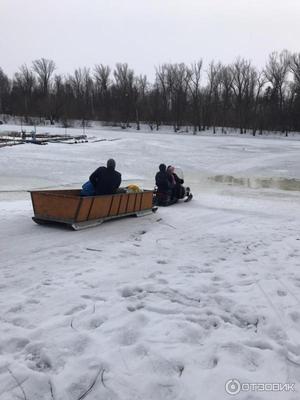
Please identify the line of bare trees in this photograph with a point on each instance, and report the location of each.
(236, 95)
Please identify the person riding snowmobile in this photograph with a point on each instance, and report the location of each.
(164, 186)
(169, 187)
(178, 190)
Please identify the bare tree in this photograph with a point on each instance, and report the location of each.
(235, 95)
(295, 67)
(76, 82)
(174, 81)
(44, 69)
(82, 85)
(257, 83)
(140, 89)
(4, 91)
(25, 80)
(124, 81)
(242, 74)
(102, 93)
(59, 97)
(155, 106)
(214, 75)
(181, 78)
(88, 85)
(101, 74)
(276, 73)
(194, 88)
(163, 91)
(226, 78)
(295, 104)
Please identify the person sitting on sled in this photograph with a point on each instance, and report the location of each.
(176, 183)
(164, 189)
(105, 180)
(161, 180)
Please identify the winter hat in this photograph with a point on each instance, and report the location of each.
(162, 167)
(111, 164)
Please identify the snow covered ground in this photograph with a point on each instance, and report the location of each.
(168, 306)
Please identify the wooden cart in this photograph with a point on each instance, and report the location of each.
(68, 207)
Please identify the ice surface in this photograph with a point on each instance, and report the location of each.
(168, 306)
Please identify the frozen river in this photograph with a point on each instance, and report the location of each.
(169, 306)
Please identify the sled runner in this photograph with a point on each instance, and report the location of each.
(69, 208)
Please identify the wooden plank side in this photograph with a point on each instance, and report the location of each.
(56, 207)
(147, 200)
(101, 207)
(68, 205)
(115, 205)
(123, 204)
(131, 202)
(137, 204)
(84, 209)
(60, 192)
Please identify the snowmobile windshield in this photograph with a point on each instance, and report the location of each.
(178, 171)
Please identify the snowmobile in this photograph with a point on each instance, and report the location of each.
(167, 198)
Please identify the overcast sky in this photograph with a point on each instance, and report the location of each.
(144, 33)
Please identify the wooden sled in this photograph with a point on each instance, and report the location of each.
(69, 208)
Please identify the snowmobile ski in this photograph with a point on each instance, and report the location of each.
(189, 198)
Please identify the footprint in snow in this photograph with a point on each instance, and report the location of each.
(209, 363)
(36, 357)
(94, 298)
(128, 336)
(22, 322)
(136, 307)
(47, 282)
(162, 281)
(207, 270)
(281, 293)
(216, 279)
(76, 309)
(96, 323)
(33, 301)
(16, 309)
(13, 345)
(130, 291)
(295, 316)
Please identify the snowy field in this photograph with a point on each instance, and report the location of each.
(165, 307)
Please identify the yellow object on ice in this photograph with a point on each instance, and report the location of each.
(133, 189)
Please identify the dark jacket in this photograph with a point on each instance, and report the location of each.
(105, 180)
(178, 190)
(162, 182)
(178, 181)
